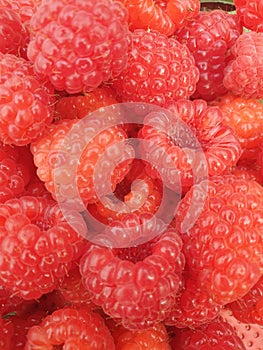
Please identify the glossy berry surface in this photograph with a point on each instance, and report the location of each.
(250, 14)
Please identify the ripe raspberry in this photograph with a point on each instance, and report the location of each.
(243, 76)
(37, 246)
(13, 35)
(78, 45)
(163, 16)
(79, 106)
(245, 117)
(137, 285)
(248, 170)
(137, 193)
(25, 102)
(249, 308)
(208, 37)
(154, 338)
(215, 335)
(6, 333)
(223, 247)
(71, 329)
(93, 142)
(159, 70)
(172, 147)
(250, 14)
(193, 306)
(24, 8)
(14, 171)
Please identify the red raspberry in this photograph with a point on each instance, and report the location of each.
(24, 8)
(6, 333)
(245, 117)
(170, 146)
(250, 14)
(137, 285)
(248, 171)
(71, 329)
(154, 338)
(25, 102)
(159, 70)
(243, 75)
(78, 45)
(48, 150)
(223, 247)
(163, 16)
(193, 306)
(13, 35)
(215, 335)
(208, 37)
(37, 246)
(14, 171)
(249, 308)
(79, 106)
(137, 193)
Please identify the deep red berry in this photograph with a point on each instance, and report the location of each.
(103, 158)
(223, 245)
(37, 246)
(177, 142)
(215, 335)
(250, 14)
(159, 70)
(25, 102)
(80, 44)
(6, 334)
(13, 35)
(79, 106)
(208, 37)
(243, 76)
(72, 329)
(136, 285)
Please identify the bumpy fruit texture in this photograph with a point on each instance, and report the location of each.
(249, 308)
(188, 143)
(71, 328)
(250, 14)
(13, 35)
(245, 117)
(37, 246)
(223, 246)
(159, 70)
(78, 45)
(25, 102)
(214, 335)
(209, 36)
(137, 285)
(79, 106)
(103, 150)
(243, 75)
(6, 333)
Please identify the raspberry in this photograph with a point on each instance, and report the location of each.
(48, 151)
(79, 106)
(37, 246)
(163, 17)
(171, 146)
(14, 171)
(193, 306)
(25, 102)
(71, 328)
(208, 37)
(136, 286)
(78, 45)
(159, 70)
(223, 246)
(250, 14)
(249, 308)
(13, 35)
(245, 117)
(243, 76)
(154, 338)
(6, 333)
(215, 335)
(137, 193)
